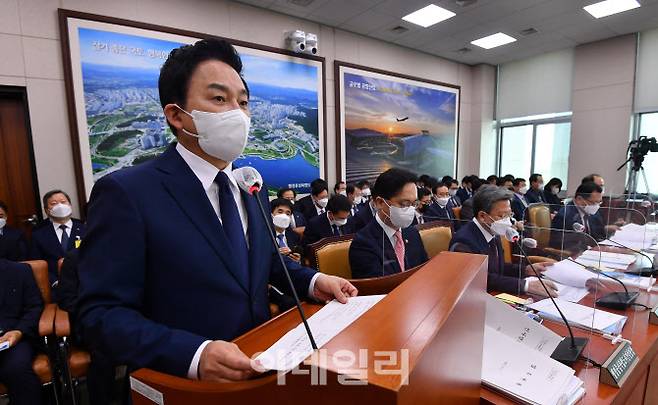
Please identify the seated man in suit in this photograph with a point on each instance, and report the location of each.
(453, 188)
(366, 192)
(13, 245)
(58, 234)
(354, 195)
(316, 203)
(297, 220)
(519, 203)
(505, 183)
(178, 258)
(597, 220)
(440, 208)
(482, 236)
(340, 188)
(389, 244)
(579, 216)
(332, 223)
(365, 212)
(465, 192)
(536, 192)
(422, 206)
(289, 241)
(20, 310)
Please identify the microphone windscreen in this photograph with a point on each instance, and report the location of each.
(530, 243)
(578, 227)
(511, 235)
(247, 177)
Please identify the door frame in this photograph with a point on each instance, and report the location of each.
(20, 93)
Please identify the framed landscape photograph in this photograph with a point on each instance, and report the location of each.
(385, 120)
(112, 68)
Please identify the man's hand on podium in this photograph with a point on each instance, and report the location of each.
(224, 362)
(329, 287)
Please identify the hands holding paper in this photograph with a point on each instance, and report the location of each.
(330, 287)
(12, 337)
(534, 286)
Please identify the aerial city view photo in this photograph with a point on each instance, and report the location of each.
(126, 126)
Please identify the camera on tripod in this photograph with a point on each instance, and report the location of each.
(643, 145)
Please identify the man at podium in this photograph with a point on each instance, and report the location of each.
(178, 259)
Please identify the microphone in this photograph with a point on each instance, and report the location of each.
(616, 300)
(643, 271)
(250, 181)
(578, 227)
(568, 351)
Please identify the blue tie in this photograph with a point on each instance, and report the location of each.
(336, 230)
(65, 238)
(282, 242)
(232, 225)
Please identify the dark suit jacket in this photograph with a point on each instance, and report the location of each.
(300, 220)
(46, 246)
(518, 208)
(455, 201)
(533, 196)
(366, 258)
(563, 234)
(463, 194)
(20, 299)
(362, 218)
(292, 238)
(553, 200)
(501, 277)
(436, 213)
(69, 282)
(467, 211)
(157, 276)
(306, 207)
(319, 228)
(13, 245)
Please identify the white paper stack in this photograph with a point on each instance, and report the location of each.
(634, 236)
(581, 316)
(574, 275)
(516, 360)
(615, 261)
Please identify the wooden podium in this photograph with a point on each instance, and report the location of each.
(435, 316)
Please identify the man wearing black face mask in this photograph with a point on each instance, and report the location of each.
(422, 205)
(181, 266)
(388, 244)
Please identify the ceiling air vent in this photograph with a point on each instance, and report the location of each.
(465, 3)
(528, 31)
(301, 3)
(463, 50)
(399, 29)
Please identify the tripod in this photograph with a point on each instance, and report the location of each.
(636, 159)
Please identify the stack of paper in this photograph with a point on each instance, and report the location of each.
(516, 360)
(572, 274)
(616, 261)
(289, 351)
(634, 236)
(581, 316)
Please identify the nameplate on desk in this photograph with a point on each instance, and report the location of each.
(653, 316)
(619, 365)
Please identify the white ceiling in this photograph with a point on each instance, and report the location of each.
(561, 24)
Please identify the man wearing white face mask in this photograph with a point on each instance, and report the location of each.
(332, 223)
(581, 210)
(354, 195)
(287, 239)
(493, 212)
(440, 208)
(389, 244)
(58, 234)
(316, 203)
(178, 258)
(519, 202)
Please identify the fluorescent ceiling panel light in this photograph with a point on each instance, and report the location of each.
(493, 40)
(428, 16)
(610, 7)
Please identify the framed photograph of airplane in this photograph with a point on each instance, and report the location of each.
(386, 119)
(112, 68)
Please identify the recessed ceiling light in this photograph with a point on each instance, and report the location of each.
(610, 7)
(493, 40)
(428, 16)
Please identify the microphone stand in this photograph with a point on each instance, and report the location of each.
(615, 300)
(568, 351)
(645, 270)
(254, 192)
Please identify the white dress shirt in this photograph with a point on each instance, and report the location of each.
(59, 231)
(522, 198)
(390, 232)
(206, 174)
(488, 237)
(285, 240)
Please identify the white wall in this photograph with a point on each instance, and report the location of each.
(602, 101)
(29, 43)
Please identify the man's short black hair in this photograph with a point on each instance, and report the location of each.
(476, 183)
(337, 186)
(517, 181)
(423, 192)
(590, 178)
(3, 205)
(350, 188)
(177, 70)
(391, 182)
(467, 179)
(423, 178)
(535, 177)
(282, 191)
(339, 203)
(278, 202)
(453, 181)
(492, 177)
(586, 189)
(51, 193)
(318, 186)
(509, 177)
(437, 186)
(362, 183)
(447, 179)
